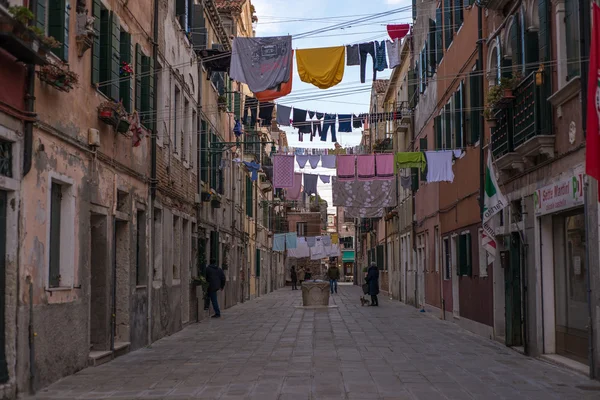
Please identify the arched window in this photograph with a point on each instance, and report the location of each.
(494, 66)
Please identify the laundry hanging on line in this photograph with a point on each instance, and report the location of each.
(322, 67)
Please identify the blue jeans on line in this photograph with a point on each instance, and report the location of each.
(215, 302)
(333, 285)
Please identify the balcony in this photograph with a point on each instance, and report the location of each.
(21, 42)
(523, 135)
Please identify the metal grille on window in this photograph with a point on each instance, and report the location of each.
(6, 158)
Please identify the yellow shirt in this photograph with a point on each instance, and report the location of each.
(323, 67)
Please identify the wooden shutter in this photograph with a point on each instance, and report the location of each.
(380, 258)
(145, 91)
(96, 12)
(439, 35)
(237, 105)
(58, 26)
(469, 258)
(412, 88)
(55, 221)
(249, 202)
(257, 262)
(437, 129)
(414, 9)
(199, 32)
(125, 83)
(138, 77)
(423, 148)
(572, 37)
(457, 119)
(545, 37)
(180, 13)
(414, 179)
(213, 162)
(448, 29)
(114, 57)
(462, 255)
(432, 54)
(447, 127)
(203, 152)
(458, 14)
(532, 51)
(475, 107)
(40, 14)
(515, 43)
(150, 117)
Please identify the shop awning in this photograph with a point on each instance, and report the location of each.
(348, 256)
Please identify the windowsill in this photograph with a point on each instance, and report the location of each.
(60, 289)
(139, 287)
(566, 93)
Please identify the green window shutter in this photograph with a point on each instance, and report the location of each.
(148, 92)
(213, 164)
(447, 127)
(105, 52)
(572, 37)
(545, 37)
(229, 95)
(55, 219)
(532, 51)
(411, 88)
(469, 269)
(432, 54)
(138, 77)
(414, 9)
(439, 35)
(237, 105)
(96, 12)
(125, 83)
(515, 42)
(114, 56)
(437, 128)
(257, 262)
(58, 26)
(40, 14)
(203, 152)
(475, 112)
(462, 255)
(458, 136)
(180, 12)
(458, 14)
(423, 148)
(448, 29)
(414, 178)
(249, 202)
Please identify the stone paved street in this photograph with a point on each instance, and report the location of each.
(269, 349)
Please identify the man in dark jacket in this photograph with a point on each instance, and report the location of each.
(294, 278)
(216, 281)
(373, 281)
(333, 273)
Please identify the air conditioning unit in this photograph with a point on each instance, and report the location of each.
(93, 137)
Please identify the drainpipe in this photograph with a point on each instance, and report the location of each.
(479, 68)
(588, 278)
(30, 108)
(525, 280)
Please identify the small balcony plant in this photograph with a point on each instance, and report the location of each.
(500, 96)
(114, 114)
(125, 69)
(60, 78)
(20, 26)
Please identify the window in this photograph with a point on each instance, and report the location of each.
(448, 23)
(186, 133)
(106, 51)
(483, 258)
(572, 38)
(176, 121)
(464, 254)
(249, 195)
(61, 231)
(459, 117)
(184, 12)
(176, 254)
(6, 159)
(447, 259)
(436, 238)
(52, 17)
(421, 265)
(158, 238)
(55, 222)
(301, 228)
(439, 35)
(258, 260)
(216, 174)
(141, 273)
(474, 105)
(214, 247)
(432, 49)
(194, 141)
(125, 83)
(147, 92)
(203, 151)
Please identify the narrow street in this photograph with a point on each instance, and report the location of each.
(270, 349)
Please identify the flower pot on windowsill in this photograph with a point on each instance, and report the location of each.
(492, 122)
(123, 125)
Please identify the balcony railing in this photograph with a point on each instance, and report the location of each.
(528, 116)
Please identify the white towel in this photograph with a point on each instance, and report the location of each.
(439, 166)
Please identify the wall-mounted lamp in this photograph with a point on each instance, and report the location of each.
(539, 76)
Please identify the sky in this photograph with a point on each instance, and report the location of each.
(284, 17)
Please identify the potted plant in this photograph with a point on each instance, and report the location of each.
(20, 26)
(489, 116)
(22, 16)
(222, 103)
(125, 69)
(113, 113)
(60, 78)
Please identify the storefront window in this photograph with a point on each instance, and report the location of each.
(570, 286)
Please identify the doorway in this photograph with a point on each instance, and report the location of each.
(3, 228)
(511, 264)
(99, 284)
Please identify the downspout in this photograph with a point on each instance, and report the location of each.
(153, 165)
(525, 280)
(479, 68)
(588, 278)
(30, 108)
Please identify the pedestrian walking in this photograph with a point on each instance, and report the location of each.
(373, 281)
(294, 278)
(216, 281)
(334, 275)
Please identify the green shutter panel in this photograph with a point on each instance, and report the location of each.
(469, 269)
(423, 148)
(54, 248)
(150, 117)
(414, 179)
(414, 9)
(411, 88)
(138, 77)
(203, 152)
(58, 13)
(213, 163)
(96, 12)
(532, 51)
(437, 128)
(458, 13)
(457, 120)
(249, 201)
(237, 105)
(544, 32)
(572, 37)
(448, 31)
(257, 262)
(439, 35)
(125, 83)
(40, 14)
(65, 41)
(114, 56)
(447, 127)
(475, 112)
(145, 91)
(432, 46)
(515, 43)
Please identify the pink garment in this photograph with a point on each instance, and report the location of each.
(294, 192)
(365, 167)
(385, 166)
(283, 171)
(345, 167)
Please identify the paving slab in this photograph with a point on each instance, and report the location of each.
(269, 348)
